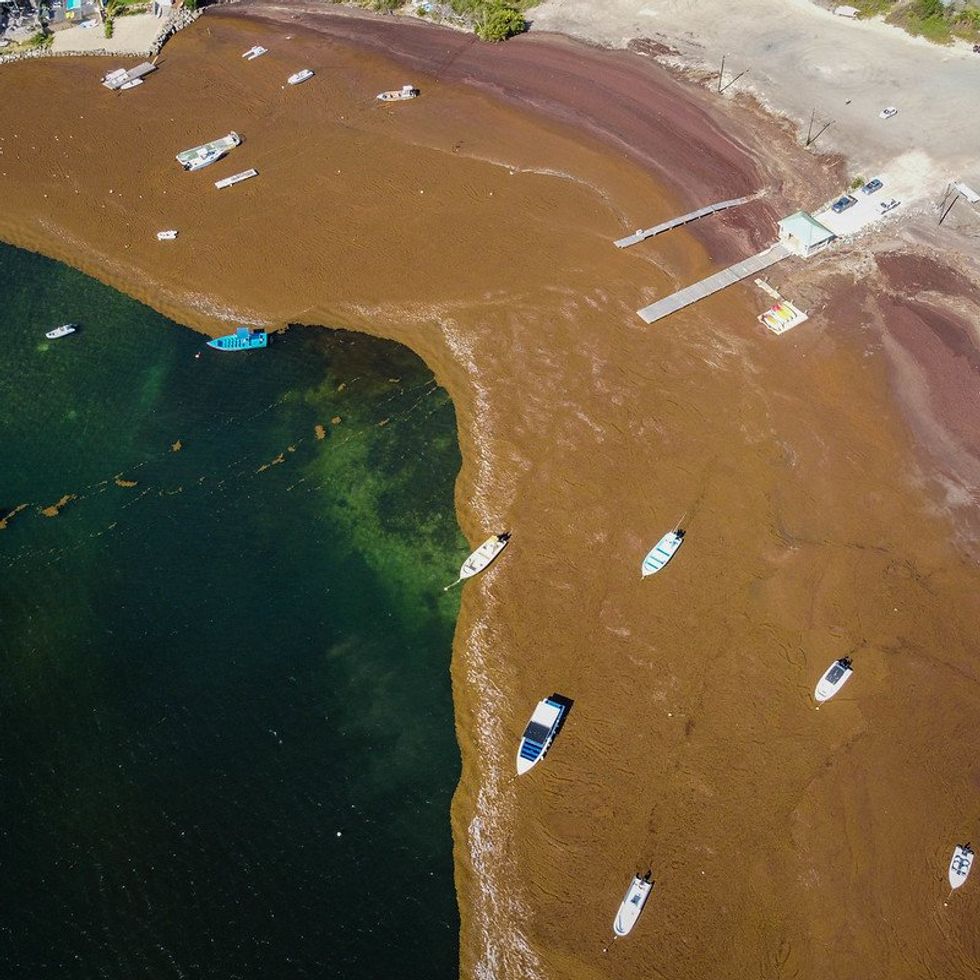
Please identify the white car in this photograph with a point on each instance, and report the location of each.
(885, 206)
(888, 112)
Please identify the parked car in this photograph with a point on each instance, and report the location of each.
(886, 206)
(843, 203)
(888, 112)
(871, 186)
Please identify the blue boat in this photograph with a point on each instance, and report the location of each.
(242, 339)
(540, 731)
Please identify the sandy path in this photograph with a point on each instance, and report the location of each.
(785, 841)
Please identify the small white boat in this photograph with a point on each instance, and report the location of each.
(403, 94)
(300, 76)
(540, 732)
(960, 864)
(255, 52)
(481, 557)
(62, 331)
(661, 552)
(167, 236)
(834, 678)
(632, 905)
(132, 83)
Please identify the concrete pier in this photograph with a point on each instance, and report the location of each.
(734, 273)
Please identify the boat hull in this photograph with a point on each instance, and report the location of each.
(540, 732)
(632, 905)
(241, 339)
(60, 332)
(834, 678)
(661, 553)
(960, 864)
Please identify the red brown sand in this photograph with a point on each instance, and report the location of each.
(786, 841)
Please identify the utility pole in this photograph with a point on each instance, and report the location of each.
(942, 217)
(809, 128)
(722, 72)
(734, 80)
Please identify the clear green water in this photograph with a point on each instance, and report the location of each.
(209, 676)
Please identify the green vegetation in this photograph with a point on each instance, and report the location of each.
(42, 39)
(856, 183)
(491, 20)
(930, 19)
(498, 21)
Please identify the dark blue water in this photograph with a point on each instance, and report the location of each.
(226, 733)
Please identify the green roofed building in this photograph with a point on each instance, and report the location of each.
(802, 234)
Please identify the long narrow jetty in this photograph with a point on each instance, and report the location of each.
(734, 273)
(684, 219)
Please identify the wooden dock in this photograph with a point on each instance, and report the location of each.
(734, 273)
(684, 219)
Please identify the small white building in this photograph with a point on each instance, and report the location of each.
(803, 235)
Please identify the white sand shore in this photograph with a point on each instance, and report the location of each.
(801, 57)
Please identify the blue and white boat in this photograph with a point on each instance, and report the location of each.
(540, 731)
(242, 339)
(661, 553)
(632, 905)
(960, 864)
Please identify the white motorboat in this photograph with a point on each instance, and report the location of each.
(632, 905)
(300, 76)
(482, 557)
(834, 678)
(255, 52)
(540, 732)
(62, 331)
(403, 94)
(132, 83)
(167, 236)
(661, 553)
(960, 864)
(208, 153)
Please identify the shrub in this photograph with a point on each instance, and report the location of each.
(42, 39)
(386, 6)
(498, 22)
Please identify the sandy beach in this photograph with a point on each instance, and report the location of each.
(826, 479)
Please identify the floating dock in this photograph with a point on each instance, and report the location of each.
(122, 76)
(684, 219)
(236, 178)
(734, 273)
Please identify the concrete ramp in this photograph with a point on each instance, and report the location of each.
(734, 273)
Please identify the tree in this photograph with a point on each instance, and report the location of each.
(500, 21)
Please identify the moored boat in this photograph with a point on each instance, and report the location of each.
(167, 236)
(255, 52)
(62, 331)
(632, 904)
(834, 678)
(661, 553)
(132, 83)
(482, 557)
(960, 864)
(242, 339)
(540, 732)
(403, 94)
(208, 153)
(300, 76)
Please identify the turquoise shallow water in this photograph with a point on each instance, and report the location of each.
(226, 733)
